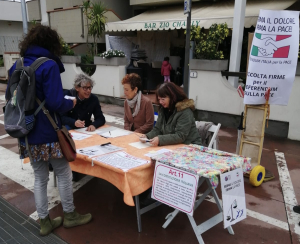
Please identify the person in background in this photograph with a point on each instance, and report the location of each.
(86, 106)
(42, 41)
(175, 123)
(139, 112)
(166, 69)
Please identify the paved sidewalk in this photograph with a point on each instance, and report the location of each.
(270, 218)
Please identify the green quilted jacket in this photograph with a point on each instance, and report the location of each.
(180, 127)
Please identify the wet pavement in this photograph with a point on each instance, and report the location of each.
(269, 207)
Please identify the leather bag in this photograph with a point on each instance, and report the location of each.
(65, 139)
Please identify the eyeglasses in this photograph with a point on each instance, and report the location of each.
(85, 88)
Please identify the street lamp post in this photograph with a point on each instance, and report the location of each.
(24, 17)
(188, 11)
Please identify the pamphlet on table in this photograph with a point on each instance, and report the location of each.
(115, 133)
(79, 136)
(98, 150)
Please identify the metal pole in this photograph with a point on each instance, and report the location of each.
(24, 17)
(186, 81)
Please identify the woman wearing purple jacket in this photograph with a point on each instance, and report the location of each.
(42, 41)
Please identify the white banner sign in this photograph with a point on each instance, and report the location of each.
(273, 57)
(233, 196)
(175, 187)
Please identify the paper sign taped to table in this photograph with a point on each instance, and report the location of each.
(175, 187)
(98, 150)
(121, 160)
(233, 196)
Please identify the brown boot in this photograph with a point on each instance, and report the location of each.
(74, 219)
(47, 225)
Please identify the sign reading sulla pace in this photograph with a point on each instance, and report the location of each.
(160, 25)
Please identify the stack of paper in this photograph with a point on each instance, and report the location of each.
(98, 150)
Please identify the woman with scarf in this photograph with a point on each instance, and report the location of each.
(139, 113)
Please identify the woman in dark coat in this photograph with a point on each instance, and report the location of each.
(42, 41)
(175, 123)
(86, 106)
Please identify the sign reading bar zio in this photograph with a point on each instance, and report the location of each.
(187, 6)
(233, 197)
(273, 57)
(175, 187)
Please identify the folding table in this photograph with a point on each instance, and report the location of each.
(208, 164)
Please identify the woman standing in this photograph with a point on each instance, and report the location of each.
(86, 106)
(42, 41)
(175, 123)
(139, 113)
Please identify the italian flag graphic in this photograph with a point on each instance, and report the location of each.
(271, 46)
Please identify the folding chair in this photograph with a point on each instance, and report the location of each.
(214, 129)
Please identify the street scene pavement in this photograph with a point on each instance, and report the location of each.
(270, 218)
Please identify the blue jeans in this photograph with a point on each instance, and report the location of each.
(64, 182)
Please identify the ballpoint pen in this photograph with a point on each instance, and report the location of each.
(109, 132)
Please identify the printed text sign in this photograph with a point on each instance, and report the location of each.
(175, 187)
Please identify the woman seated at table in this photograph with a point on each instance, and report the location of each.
(86, 106)
(175, 123)
(139, 113)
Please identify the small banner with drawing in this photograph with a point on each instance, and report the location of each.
(233, 197)
(273, 57)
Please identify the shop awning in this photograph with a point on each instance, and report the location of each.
(203, 14)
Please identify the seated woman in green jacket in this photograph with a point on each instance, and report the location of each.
(175, 123)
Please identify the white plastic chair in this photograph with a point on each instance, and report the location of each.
(214, 129)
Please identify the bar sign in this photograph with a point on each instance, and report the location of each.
(187, 6)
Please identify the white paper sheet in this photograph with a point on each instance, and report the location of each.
(106, 129)
(140, 145)
(154, 153)
(83, 130)
(98, 150)
(79, 136)
(115, 133)
(69, 97)
(121, 160)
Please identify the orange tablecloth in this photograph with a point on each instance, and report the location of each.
(132, 182)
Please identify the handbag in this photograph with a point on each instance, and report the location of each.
(65, 139)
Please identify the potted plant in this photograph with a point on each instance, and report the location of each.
(68, 55)
(111, 57)
(207, 55)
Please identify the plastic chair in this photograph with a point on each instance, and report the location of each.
(215, 130)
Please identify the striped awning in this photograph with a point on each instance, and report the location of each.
(203, 14)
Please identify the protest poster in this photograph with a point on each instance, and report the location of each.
(175, 187)
(233, 197)
(273, 57)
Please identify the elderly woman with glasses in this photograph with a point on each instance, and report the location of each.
(86, 106)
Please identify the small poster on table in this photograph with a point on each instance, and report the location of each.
(175, 187)
(233, 196)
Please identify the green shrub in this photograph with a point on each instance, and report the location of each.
(66, 50)
(1, 62)
(88, 59)
(207, 44)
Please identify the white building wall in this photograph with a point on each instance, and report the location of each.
(212, 92)
(10, 11)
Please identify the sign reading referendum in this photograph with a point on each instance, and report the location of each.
(273, 57)
(175, 187)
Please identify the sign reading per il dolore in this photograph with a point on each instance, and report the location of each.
(273, 57)
(176, 24)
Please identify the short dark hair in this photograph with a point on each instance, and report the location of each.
(166, 59)
(174, 92)
(44, 37)
(134, 80)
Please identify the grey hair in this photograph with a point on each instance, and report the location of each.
(82, 80)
